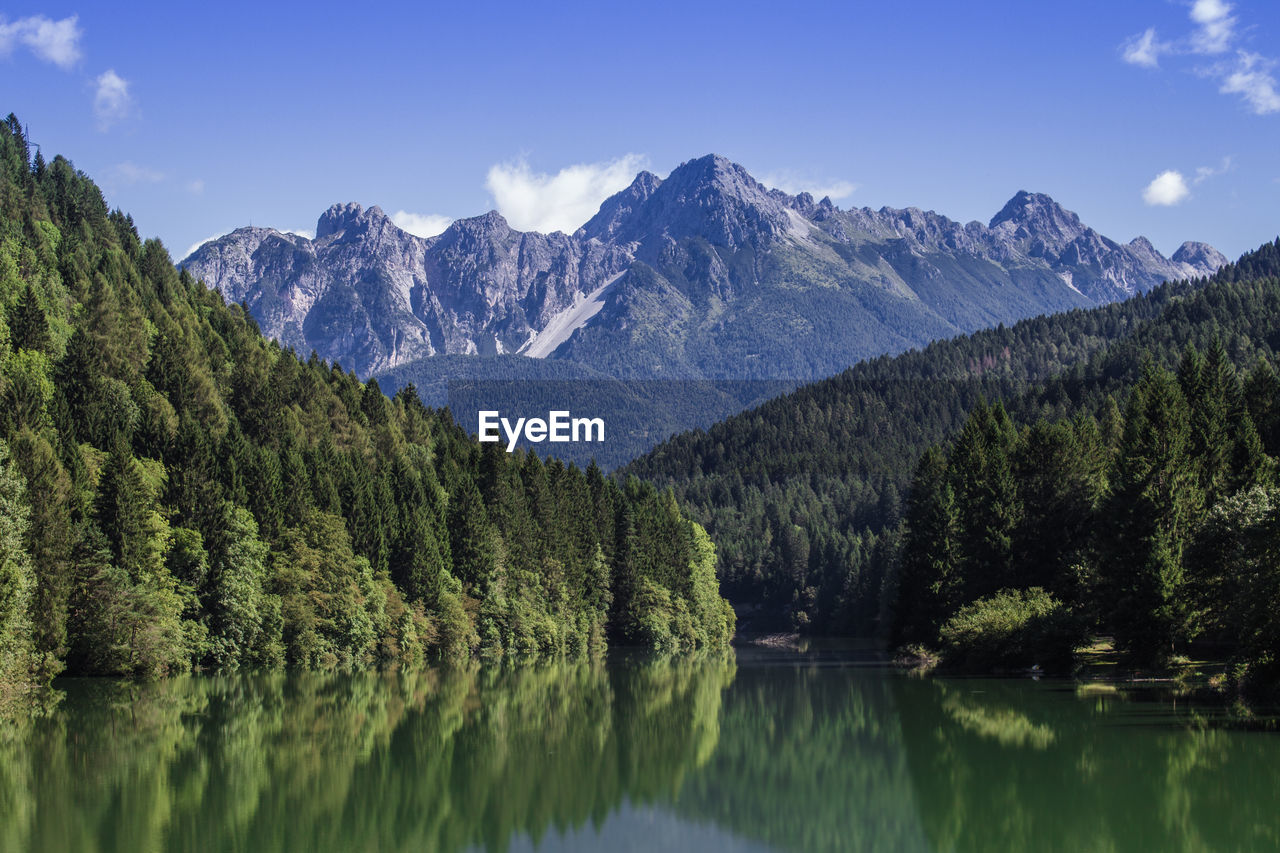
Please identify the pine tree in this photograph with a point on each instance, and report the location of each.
(928, 579)
(1154, 500)
(237, 575)
(49, 541)
(980, 469)
(1059, 472)
(28, 326)
(1262, 398)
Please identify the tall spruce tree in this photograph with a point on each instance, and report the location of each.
(1153, 504)
(929, 584)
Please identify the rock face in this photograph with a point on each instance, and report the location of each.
(710, 274)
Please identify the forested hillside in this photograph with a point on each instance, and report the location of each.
(1159, 527)
(804, 494)
(176, 490)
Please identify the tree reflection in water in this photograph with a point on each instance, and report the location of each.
(787, 752)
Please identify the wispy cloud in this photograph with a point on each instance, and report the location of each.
(1204, 173)
(53, 41)
(112, 101)
(537, 201)
(1215, 32)
(129, 173)
(1144, 49)
(1252, 78)
(794, 184)
(1168, 188)
(196, 245)
(196, 186)
(420, 224)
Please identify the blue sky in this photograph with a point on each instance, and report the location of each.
(1159, 118)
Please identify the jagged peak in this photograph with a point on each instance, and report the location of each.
(473, 227)
(644, 184)
(348, 216)
(337, 218)
(715, 171)
(617, 207)
(1027, 208)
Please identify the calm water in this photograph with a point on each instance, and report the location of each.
(768, 751)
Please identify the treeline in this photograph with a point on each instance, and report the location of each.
(1158, 526)
(176, 490)
(804, 495)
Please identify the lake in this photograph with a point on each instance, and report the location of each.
(762, 750)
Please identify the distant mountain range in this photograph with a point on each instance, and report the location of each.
(707, 274)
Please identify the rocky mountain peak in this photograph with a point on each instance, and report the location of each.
(1200, 255)
(714, 173)
(1040, 226)
(337, 218)
(717, 200)
(351, 218)
(618, 207)
(488, 226)
(1038, 213)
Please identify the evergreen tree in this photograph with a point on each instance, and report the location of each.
(28, 325)
(17, 581)
(980, 469)
(237, 574)
(928, 578)
(1153, 503)
(1060, 473)
(49, 541)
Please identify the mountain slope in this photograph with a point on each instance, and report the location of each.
(803, 493)
(716, 276)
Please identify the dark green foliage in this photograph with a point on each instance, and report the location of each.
(1011, 630)
(197, 495)
(1158, 528)
(1232, 572)
(17, 581)
(1154, 501)
(929, 581)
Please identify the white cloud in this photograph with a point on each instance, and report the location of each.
(537, 201)
(1251, 78)
(793, 184)
(130, 173)
(420, 224)
(1249, 75)
(196, 187)
(309, 233)
(111, 101)
(53, 41)
(1203, 173)
(1144, 50)
(198, 244)
(1168, 188)
(1215, 27)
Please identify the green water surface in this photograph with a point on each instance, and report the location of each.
(757, 751)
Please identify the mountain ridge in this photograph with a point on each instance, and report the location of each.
(717, 276)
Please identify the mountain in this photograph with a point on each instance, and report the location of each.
(706, 274)
(803, 494)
